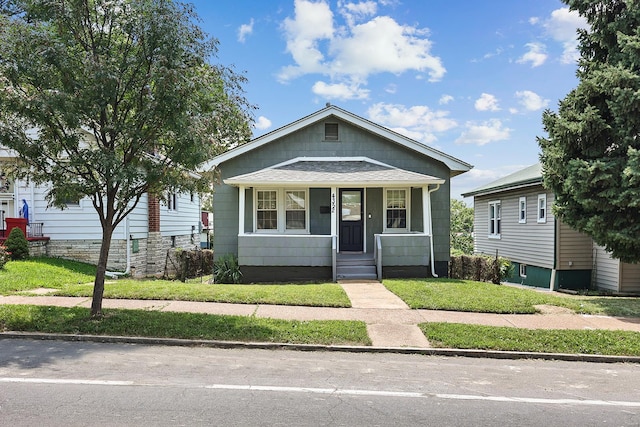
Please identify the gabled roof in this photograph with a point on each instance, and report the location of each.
(526, 177)
(360, 171)
(456, 166)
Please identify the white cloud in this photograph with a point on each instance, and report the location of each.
(445, 99)
(418, 122)
(353, 12)
(350, 54)
(340, 91)
(391, 88)
(531, 100)
(244, 31)
(487, 102)
(313, 22)
(562, 27)
(534, 20)
(483, 133)
(262, 123)
(536, 55)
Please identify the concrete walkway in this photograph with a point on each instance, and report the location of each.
(390, 323)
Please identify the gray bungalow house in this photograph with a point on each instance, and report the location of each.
(332, 196)
(513, 216)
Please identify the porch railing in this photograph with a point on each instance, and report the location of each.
(34, 229)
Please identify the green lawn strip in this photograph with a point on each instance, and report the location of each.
(141, 323)
(465, 295)
(455, 335)
(317, 295)
(43, 272)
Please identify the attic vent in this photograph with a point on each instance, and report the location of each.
(331, 131)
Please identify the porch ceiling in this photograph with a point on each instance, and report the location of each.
(361, 172)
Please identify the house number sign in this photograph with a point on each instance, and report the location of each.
(333, 202)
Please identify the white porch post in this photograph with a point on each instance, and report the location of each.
(334, 211)
(241, 204)
(426, 211)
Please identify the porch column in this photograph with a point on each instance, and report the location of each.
(334, 211)
(426, 211)
(241, 208)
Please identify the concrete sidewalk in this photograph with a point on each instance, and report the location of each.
(390, 323)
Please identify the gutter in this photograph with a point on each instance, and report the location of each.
(433, 265)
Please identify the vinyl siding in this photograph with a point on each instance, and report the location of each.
(607, 270)
(178, 222)
(573, 247)
(531, 243)
(292, 250)
(630, 278)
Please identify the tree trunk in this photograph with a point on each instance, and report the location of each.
(98, 285)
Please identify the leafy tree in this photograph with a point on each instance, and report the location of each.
(461, 227)
(111, 100)
(591, 158)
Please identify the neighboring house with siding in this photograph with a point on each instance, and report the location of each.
(140, 242)
(513, 217)
(331, 196)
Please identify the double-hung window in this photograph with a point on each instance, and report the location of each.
(266, 209)
(295, 209)
(494, 219)
(396, 209)
(522, 210)
(542, 208)
(281, 210)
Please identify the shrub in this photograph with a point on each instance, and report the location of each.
(480, 268)
(17, 245)
(227, 270)
(4, 257)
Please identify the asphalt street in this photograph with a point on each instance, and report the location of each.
(73, 383)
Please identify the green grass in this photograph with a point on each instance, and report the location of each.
(454, 335)
(72, 278)
(317, 295)
(181, 325)
(43, 272)
(464, 295)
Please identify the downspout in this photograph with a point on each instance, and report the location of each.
(127, 236)
(433, 265)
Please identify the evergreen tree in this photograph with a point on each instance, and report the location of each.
(591, 157)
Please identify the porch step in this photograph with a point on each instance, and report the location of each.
(356, 266)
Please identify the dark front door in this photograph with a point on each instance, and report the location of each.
(351, 220)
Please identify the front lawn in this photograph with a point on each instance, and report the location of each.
(141, 323)
(315, 295)
(465, 295)
(71, 278)
(454, 335)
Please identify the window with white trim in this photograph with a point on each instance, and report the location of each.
(295, 209)
(542, 208)
(495, 211)
(396, 207)
(522, 210)
(283, 211)
(266, 209)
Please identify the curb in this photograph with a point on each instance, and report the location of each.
(447, 352)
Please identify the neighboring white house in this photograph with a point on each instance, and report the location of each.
(513, 216)
(139, 244)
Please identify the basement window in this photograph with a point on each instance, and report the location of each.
(330, 131)
(523, 270)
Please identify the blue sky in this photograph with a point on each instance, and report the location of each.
(470, 78)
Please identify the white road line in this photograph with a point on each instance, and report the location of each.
(63, 381)
(347, 392)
